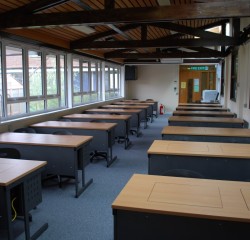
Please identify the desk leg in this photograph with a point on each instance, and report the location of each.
(110, 158)
(81, 158)
(127, 142)
(26, 217)
(8, 214)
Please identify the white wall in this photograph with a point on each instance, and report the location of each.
(241, 106)
(157, 82)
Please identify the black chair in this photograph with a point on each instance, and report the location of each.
(25, 130)
(9, 153)
(183, 173)
(62, 132)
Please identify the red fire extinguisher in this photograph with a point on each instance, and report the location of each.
(161, 109)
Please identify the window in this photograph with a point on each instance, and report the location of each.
(112, 82)
(234, 72)
(16, 95)
(86, 77)
(34, 80)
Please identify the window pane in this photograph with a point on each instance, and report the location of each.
(76, 75)
(63, 82)
(35, 73)
(36, 106)
(106, 78)
(77, 99)
(85, 77)
(116, 77)
(14, 72)
(111, 80)
(16, 108)
(51, 74)
(94, 77)
(86, 98)
(52, 103)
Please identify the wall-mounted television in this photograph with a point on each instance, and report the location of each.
(131, 73)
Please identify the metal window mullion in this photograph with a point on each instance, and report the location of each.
(4, 81)
(26, 79)
(44, 79)
(81, 79)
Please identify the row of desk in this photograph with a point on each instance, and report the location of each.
(165, 207)
(65, 155)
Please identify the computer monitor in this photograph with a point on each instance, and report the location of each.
(209, 96)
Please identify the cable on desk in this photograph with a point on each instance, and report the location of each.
(13, 208)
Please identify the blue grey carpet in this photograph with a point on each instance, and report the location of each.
(89, 217)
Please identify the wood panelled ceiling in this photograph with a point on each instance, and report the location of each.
(129, 31)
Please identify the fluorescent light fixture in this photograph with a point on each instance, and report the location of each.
(171, 60)
(84, 29)
(164, 2)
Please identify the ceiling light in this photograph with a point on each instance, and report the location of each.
(84, 29)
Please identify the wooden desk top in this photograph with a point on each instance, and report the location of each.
(76, 125)
(217, 113)
(204, 149)
(113, 110)
(201, 198)
(206, 131)
(139, 101)
(12, 170)
(205, 119)
(134, 103)
(202, 108)
(125, 106)
(99, 116)
(72, 141)
(201, 104)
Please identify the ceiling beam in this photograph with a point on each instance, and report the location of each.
(80, 42)
(32, 7)
(157, 61)
(129, 15)
(177, 54)
(187, 30)
(158, 43)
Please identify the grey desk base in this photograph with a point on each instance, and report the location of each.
(30, 192)
(206, 124)
(60, 161)
(236, 169)
(134, 122)
(121, 130)
(102, 140)
(147, 226)
(205, 138)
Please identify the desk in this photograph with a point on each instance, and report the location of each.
(103, 134)
(143, 108)
(204, 114)
(24, 176)
(155, 108)
(206, 134)
(147, 101)
(156, 207)
(150, 109)
(135, 113)
(182, 108)
(206, 122)
(200, 105)
(121, 130)
(225, 161)
(65, 154)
